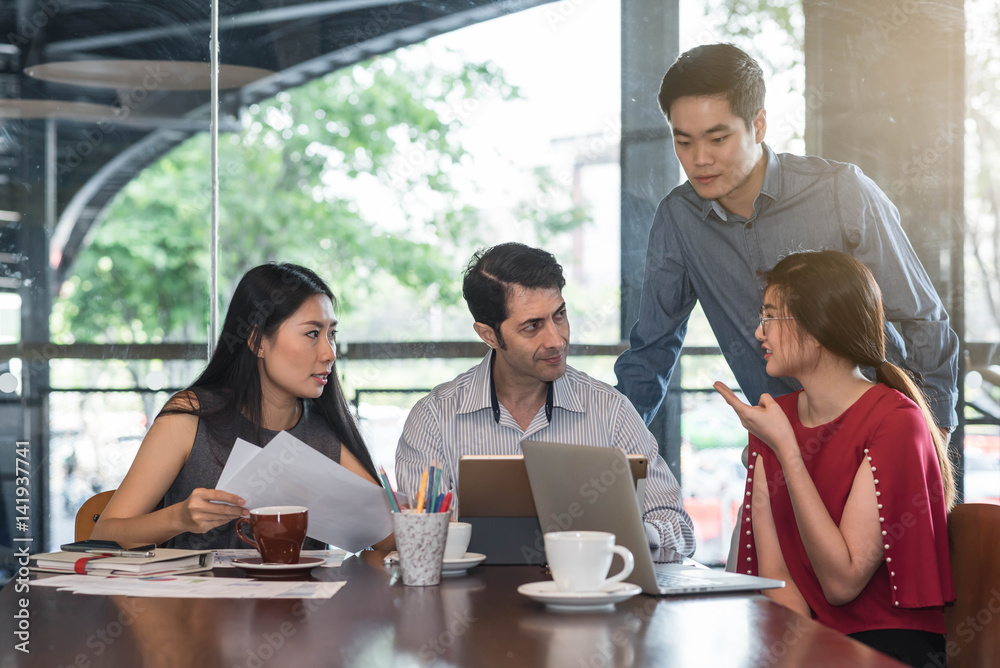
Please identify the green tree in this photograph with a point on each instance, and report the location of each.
(298, 184)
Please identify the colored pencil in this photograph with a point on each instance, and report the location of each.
(423, 490)
(388, 489)
(434, 491)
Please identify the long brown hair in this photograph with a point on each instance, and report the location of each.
(835, 299)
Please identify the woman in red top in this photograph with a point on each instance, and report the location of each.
(849, 483)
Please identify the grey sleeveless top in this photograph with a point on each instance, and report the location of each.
(208, 457)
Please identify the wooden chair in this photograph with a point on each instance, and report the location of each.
(91, 509)
(974, 620)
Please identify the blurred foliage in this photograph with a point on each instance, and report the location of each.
(982, 219)
(357, 175)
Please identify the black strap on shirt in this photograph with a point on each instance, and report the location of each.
(495, 403)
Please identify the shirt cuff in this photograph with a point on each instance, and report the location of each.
(652, 535)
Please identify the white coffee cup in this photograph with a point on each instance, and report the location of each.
(579, 560)
(459, 535)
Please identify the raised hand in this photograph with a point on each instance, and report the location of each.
(766, 420)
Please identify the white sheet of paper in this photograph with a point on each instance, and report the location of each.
(239, 456)
(344, 510)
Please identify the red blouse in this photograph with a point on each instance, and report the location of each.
(888, 431)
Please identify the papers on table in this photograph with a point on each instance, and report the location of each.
(189, 587)
(344, 509)
(224, 558)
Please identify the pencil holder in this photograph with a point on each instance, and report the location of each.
(420, 539)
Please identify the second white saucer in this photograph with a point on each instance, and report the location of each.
(578, 601)
(461, 564)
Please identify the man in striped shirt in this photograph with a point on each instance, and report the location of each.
(524, 389)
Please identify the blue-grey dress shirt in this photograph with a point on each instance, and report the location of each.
(457, 419)
(699, 251)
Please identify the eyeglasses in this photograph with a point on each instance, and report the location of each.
(765, 318)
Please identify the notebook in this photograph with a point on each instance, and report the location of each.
(586, 488)
(495, 498)
(165, 561)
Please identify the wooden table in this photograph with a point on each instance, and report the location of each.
(478, 620)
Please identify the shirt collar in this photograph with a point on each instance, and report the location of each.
(770, 187)
(495, 403)
(482, 392)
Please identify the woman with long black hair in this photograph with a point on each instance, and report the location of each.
(272, 370)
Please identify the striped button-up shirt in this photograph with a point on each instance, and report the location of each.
(457, 419)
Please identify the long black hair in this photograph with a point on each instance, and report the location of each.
(265, 297)
(835, 299)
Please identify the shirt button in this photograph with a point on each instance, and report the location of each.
(750, 227)
(886, 546)
(749, 559)
(748, 546)
(759, 272)
(748, 532)
(888, 560)
(749, 572)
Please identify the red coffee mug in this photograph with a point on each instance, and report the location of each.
(276, 532)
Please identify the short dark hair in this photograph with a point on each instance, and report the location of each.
(720, 70)
(493, 273)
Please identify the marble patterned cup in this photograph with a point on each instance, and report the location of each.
(420, 539)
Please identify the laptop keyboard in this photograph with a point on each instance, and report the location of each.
(675, 581)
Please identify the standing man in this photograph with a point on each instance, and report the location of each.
(524, 389)
(742, 209)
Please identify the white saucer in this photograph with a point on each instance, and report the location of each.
(578, 601)
(449, 567)
(254, 566)
(461, 564)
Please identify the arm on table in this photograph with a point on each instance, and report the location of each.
(130, 518)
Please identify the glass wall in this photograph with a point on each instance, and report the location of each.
(379, 144)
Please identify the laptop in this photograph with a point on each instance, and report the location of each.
(494, 496)
(586, 488)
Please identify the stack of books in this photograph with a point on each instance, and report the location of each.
(163, 562)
